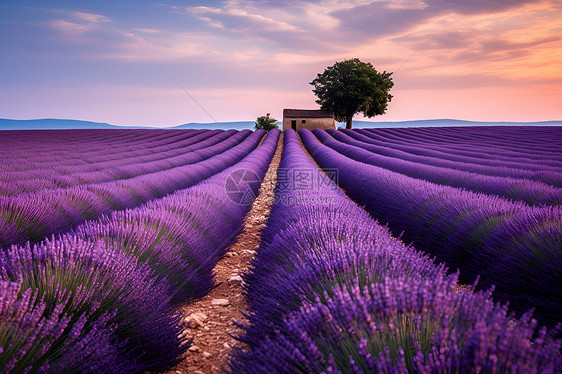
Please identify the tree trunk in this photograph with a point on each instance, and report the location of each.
(348, 124)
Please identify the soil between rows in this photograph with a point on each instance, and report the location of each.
(211, 318)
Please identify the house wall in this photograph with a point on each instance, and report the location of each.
(310, 123)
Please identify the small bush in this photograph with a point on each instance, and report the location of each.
(266, 123)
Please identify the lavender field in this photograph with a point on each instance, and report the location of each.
(421, 250)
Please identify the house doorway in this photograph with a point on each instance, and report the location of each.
(294, 124)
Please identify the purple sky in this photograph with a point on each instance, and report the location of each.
(475, 60)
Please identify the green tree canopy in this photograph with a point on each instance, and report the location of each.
(352, 86)
(266, 122)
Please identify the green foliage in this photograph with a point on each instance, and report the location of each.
(352, 86)
(266, 123)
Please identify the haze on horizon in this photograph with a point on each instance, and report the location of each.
(472, 60)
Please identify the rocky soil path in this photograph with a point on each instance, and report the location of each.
(211, 318)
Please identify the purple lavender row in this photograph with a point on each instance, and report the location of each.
(98, 300)
(490, 154)
(451, 161)
(40, 214)
(515, 247)
(182, 236)
(37, 215)
(297, 233)
(149, 152)
(116, 170)
(501, 136)
(62, 157)
(330, 291)
(505, 144)
(531, 141)
(85, 161)
(52, 177)
(163, 159)
(69, 305)
(38, 148)
(110, 140)
(482, 155)
(527, 191)
(43, 138)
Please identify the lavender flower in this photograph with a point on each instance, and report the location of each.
(332, 291)
(459, 226)
(100, 295)
(42, 213)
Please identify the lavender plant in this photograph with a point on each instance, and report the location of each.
(33, 341)
(399, 325)
(528, 191)
(452, 160)
(331, 291)
(80, 284)
(461, 228)
(33, 216)
(100, 168)
(174, 235)
(105, 289)
(531, 145)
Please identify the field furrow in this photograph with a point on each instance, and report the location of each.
(515, 247)
(102, 298)
(330, 290)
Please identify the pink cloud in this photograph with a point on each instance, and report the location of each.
(90, 17)
(69, 28)
(476, 60)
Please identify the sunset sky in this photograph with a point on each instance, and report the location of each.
(108, 61)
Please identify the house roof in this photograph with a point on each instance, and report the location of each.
(308, 113)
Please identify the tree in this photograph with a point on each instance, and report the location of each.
(266, 122)
(352, 86)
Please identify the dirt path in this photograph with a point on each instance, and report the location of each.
(212, 317)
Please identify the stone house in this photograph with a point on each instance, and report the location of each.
(297, 119)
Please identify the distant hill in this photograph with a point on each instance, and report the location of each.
(240, 125)
(445, 123)
(56, 124)
(53, 124)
